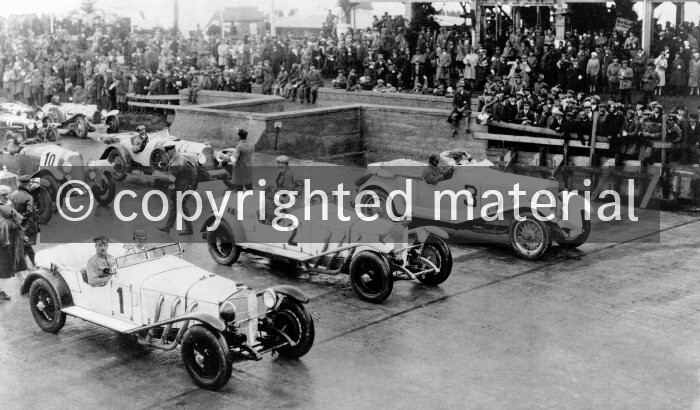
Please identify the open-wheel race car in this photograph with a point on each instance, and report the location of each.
(374, 254)
(165, 301)
(530, 237)
(56, 165)
(28, 127)
(78, 119)
(121, 155)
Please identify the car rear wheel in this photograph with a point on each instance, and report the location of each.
(294, 320)
(45, 306)
(156, 158)
(222, 245)
(108, 189)
(438, 253)
(44, 205)
(118, 162)
(529, 238)
(370, 276)
(81, 127)
(207, 357)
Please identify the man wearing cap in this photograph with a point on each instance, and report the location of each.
(285, 177)
(241, 163)
(101, 266)
(139, 141)
(140, 237)
(626, 75)
(526, 116)
(649, 81)
(432, 174)
(460, 106)
(613, 76)
(692, 138)
(23, 202)
(9, 226)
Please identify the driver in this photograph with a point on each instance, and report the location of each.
(456, 157)
(433, 173)
(16, 144)
(139, 141)
(140, 237)
(101, 265)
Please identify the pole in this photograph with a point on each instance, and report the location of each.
(221, 22)
(176, 15)
(647, 25)
(273, 28)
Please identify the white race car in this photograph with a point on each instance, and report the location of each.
(78, 119)
(165, 301)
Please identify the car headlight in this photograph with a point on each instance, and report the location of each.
(269, 298)
(92, 175)
(67, 167)
(202, 159)
(227, 311)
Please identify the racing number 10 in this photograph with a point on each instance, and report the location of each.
(49, 160)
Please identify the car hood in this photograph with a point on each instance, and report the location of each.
(504, 182)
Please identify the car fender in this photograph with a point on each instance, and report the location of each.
(123, 151)
(431, 230)
(380, 248)
(53, 171)
(72, 119)
(291, 292)
(55, 279)
(231, 220)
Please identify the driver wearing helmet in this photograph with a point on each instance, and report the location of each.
(55, 100)
(433, 173)
(140, 238)
(16, 144)
(139, 141)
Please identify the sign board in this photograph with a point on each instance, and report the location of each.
(623, 25)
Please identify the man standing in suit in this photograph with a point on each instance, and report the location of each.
(692, 139)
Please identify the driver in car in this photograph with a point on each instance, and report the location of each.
(433, 173)
(455, 157)
(101, 265)
(139, 141)
(140, 244)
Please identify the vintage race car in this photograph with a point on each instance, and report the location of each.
(28, 127)
(530, 238)
(17, 108)
(165, 301)
(56, 165)
(120, 154)
(78, 119)
(373, 253)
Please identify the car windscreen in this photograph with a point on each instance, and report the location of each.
(149, 254)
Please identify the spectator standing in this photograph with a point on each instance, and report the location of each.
(678, 72)
(661, 64)
(613, 72)
(593, 71)
(638, 63)
(694, 73)
(626, 75)
(650, 79)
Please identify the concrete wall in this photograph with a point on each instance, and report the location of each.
(393, 132)
(333, 96)
(218, 127)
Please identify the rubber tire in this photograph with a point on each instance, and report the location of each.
(156, 157)
(112, 123)
(85, 126)
(547, 239)
(222, 354)
(113, 156)
(219, 257)
(580, 240)
(52, 135)
(59, 320)
(380, 263)
(107, 198)
(305, 329)
(53, 186)
(446, 262)
(43, 197)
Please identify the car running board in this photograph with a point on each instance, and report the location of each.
(278, 251)
(99, 319)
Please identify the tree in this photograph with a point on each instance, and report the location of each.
(423, 16)
(214, 30)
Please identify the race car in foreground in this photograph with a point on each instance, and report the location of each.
(121, 155)
(165, 301)
(530, 238)
(78, 119)
(56, 165)
(28, 127)
(374, 254)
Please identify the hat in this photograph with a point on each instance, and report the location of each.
(283, 159)
(24, 179)
(100, 239)
(242, 133)
(5, 190)
(647, 113)
(140, 234)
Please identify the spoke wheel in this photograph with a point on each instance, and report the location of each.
(108, 189)
(44, 205)
(294, 320)
(156, 158)
(438, 253)
(81, 127)
(119, 163)
(207, 357)
(530, 238)
(222, 245)
(45, 306)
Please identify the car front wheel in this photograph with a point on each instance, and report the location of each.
(45, 306)
(222, 245)
(370, 276)
(294, 320)
(529, 238)
(108, 189)
(81, 127)
(118, 163)
(44, 205)
(438, 253)
(207, 357)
